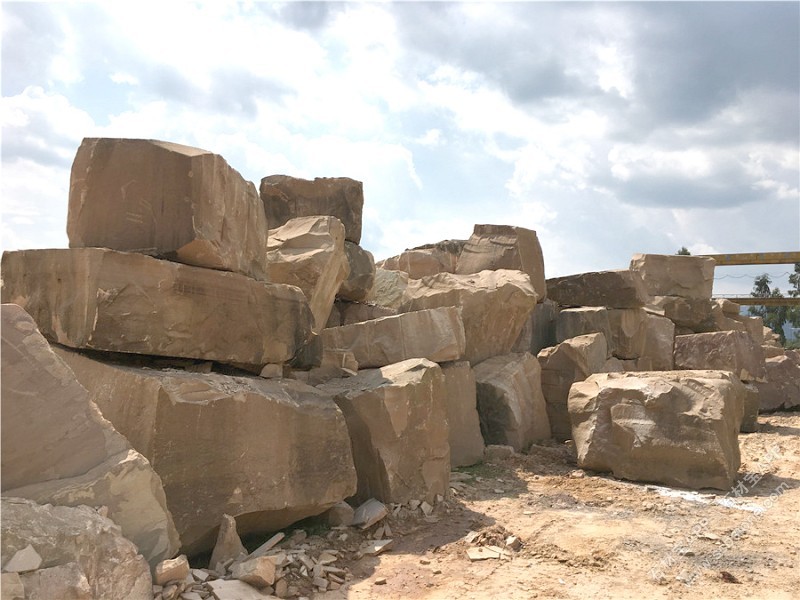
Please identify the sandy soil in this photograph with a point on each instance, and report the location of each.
(587, 535)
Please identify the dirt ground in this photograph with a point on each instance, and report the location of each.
(587, 535)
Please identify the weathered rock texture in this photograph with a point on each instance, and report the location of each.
(675, 275)
(539, 330)
(659, 343)
(733, 351)
(466, 442)
(672, 427)
(430, 259)
(308, 252)
(436, 334)
(166, 200)
(362, 273)
(612, 289)
(268, 452)
(123, 302)
(494, 306)
(504, 247)
(347, 313)
(64, 535)
(397, 418)
(569, 362)
(286, 197)
(57, 447)
(511, 406)
(628, 332)
(781, 390)
(389, 288)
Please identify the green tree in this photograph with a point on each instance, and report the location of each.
(774, 316)
(684, 251)
(793, 312)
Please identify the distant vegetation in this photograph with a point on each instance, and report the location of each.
(775, 317)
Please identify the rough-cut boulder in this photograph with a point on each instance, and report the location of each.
(389, 288)
(569, 362)
(504, 247)
(659, 343)
(286, 197)
(628, 332)
(695, 314)
(308, 252)
(441, 257)
(436, 334)
(673, 427)
(675, 275)
(347, 313)
(723, 322)
(494, 306)
(466, 442)
(267, 452)
(511, 406)
(57, 447)
(753, 325)
(733, 351)
(781, 390)
(397, 418)
(612, 289)
(362, 273)
(123, 302)
(63, 535)
(539, 330)
(166, 200)
(574, 322)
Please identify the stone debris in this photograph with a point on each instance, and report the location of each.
(258, 572)
(376, 547)
(340, 514)
(370, 512)
(174, 569)
(23, 560)
(228, 546)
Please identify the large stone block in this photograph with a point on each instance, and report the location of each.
(397, 418)
(574, 322)
(166, 200)
(695, 314)
(308, 252)
(571, 361)
(539, 330)
(286, 197)
(430, 259)
(675, 275)
(494, 306)
(781, 390)
(362, 273)
(511, 406)
(628, 332)
(672, 427)
(347, 313)
(389, 288)
(436, 334)
(733, 351)
(57, 447)
(76, 536)
(267, 452)
(466, 442)
(504, 247)
(123, 302)
(612, 289)
(659, 343)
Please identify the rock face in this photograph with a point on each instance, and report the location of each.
(672, 427)
(466, 443)
(389, 288)
(539, 330)
(121, 302)
(495, 247)
(436, 334)
(494, 306)
(71, 537)
(659, 343)
(574, 322)
(308, 252)
(781, 390)
(733, 351)
(695, 314)
(397, 418)
(612, 289)
(57, 447)
(362, 273)
(674, 275)
(227, 445)
(430, 259)
(511, 406)
(628, 332)
(286, 197)
(569, 362)
(166, 200)
(347, 313)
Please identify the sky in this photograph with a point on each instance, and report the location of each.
(609, 128)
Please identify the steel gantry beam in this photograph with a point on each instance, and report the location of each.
(755, 258)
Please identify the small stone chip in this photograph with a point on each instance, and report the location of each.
(380, 581)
